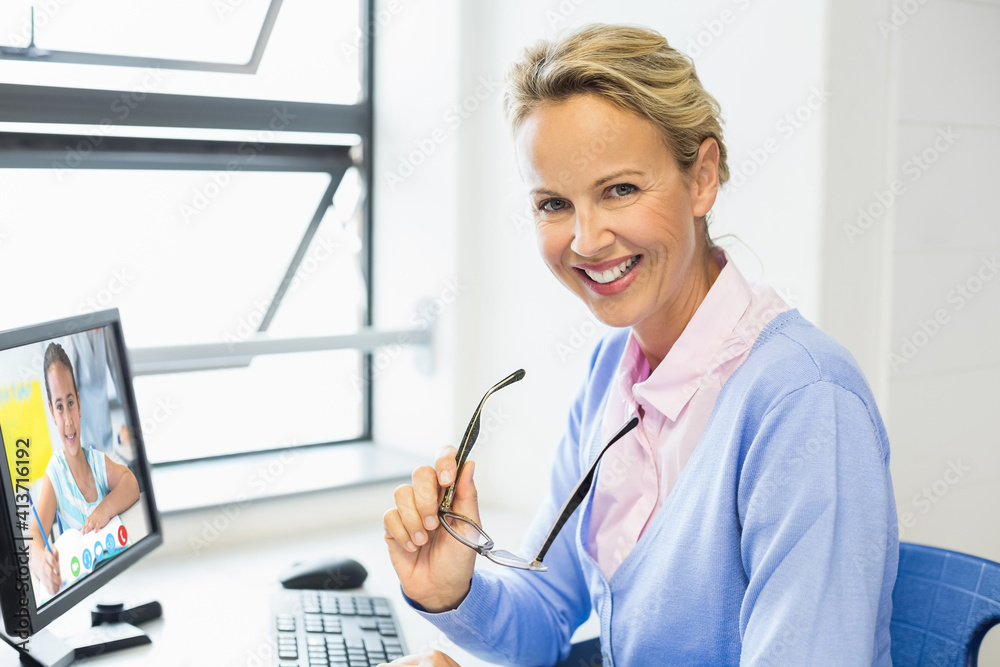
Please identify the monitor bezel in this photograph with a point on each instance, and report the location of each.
(11, 598)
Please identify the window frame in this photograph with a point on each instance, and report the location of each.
(31, 52)
(90, 108)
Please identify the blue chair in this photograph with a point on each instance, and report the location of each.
(943, 604)
(586, 653)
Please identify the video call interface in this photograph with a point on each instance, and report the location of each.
(73, 461)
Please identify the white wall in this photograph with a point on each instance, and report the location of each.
(944, 383)
(416, 214)
(909, 215)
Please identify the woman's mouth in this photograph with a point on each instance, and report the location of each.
(605, 277)
(612, 280)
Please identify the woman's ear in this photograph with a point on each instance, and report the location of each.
(705, 181)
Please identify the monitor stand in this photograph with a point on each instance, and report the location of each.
(46, 649)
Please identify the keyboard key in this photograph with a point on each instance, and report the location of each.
(333, 629)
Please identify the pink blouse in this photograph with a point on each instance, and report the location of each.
(638, 472)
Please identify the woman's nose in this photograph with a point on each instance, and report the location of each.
(591, 234)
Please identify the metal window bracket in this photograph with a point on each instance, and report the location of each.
(239, 353)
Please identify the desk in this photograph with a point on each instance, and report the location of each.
(216, 603)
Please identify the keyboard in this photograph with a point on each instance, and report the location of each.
(334, 629)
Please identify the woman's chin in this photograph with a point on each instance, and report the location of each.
(615, 320)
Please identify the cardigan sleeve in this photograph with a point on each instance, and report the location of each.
(818, 532)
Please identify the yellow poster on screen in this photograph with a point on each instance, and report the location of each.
(22, 418)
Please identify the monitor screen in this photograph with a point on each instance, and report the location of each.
(76, 483)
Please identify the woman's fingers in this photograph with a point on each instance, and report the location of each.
(394, 528)
(415, 514)
(427, 494)
(445, 466)
(413, 523)
(434, 572)
(466, 496)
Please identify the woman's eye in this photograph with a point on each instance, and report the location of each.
(622, 190)
(552, 205)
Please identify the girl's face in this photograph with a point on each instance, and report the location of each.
(65, 407)
(616, 222)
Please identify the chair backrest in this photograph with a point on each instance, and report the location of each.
(586, 653)
(942, 605)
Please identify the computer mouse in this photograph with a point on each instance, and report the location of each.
(331, 574)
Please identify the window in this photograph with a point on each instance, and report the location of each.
(288, 50)
(208, 178)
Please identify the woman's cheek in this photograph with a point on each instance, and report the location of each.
(553, 243)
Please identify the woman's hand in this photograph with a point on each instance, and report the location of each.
(434, 569)
(429, 659)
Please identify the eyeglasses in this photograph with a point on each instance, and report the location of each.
(471, 534)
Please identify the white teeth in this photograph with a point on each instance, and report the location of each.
(617, 272)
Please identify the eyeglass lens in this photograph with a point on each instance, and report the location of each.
(466, 531)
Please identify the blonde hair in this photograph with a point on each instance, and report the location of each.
(633, 68)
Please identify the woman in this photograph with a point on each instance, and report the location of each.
(82, 486)
(778, 543)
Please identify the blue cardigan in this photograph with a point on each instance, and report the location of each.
(777, 546)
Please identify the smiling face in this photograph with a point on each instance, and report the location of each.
(616, 220)
(65, 406)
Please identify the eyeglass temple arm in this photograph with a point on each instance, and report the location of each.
(580, 492)
(471, 433)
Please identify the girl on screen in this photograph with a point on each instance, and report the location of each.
(82, 486)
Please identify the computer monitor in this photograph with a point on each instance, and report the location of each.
(76, 503)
